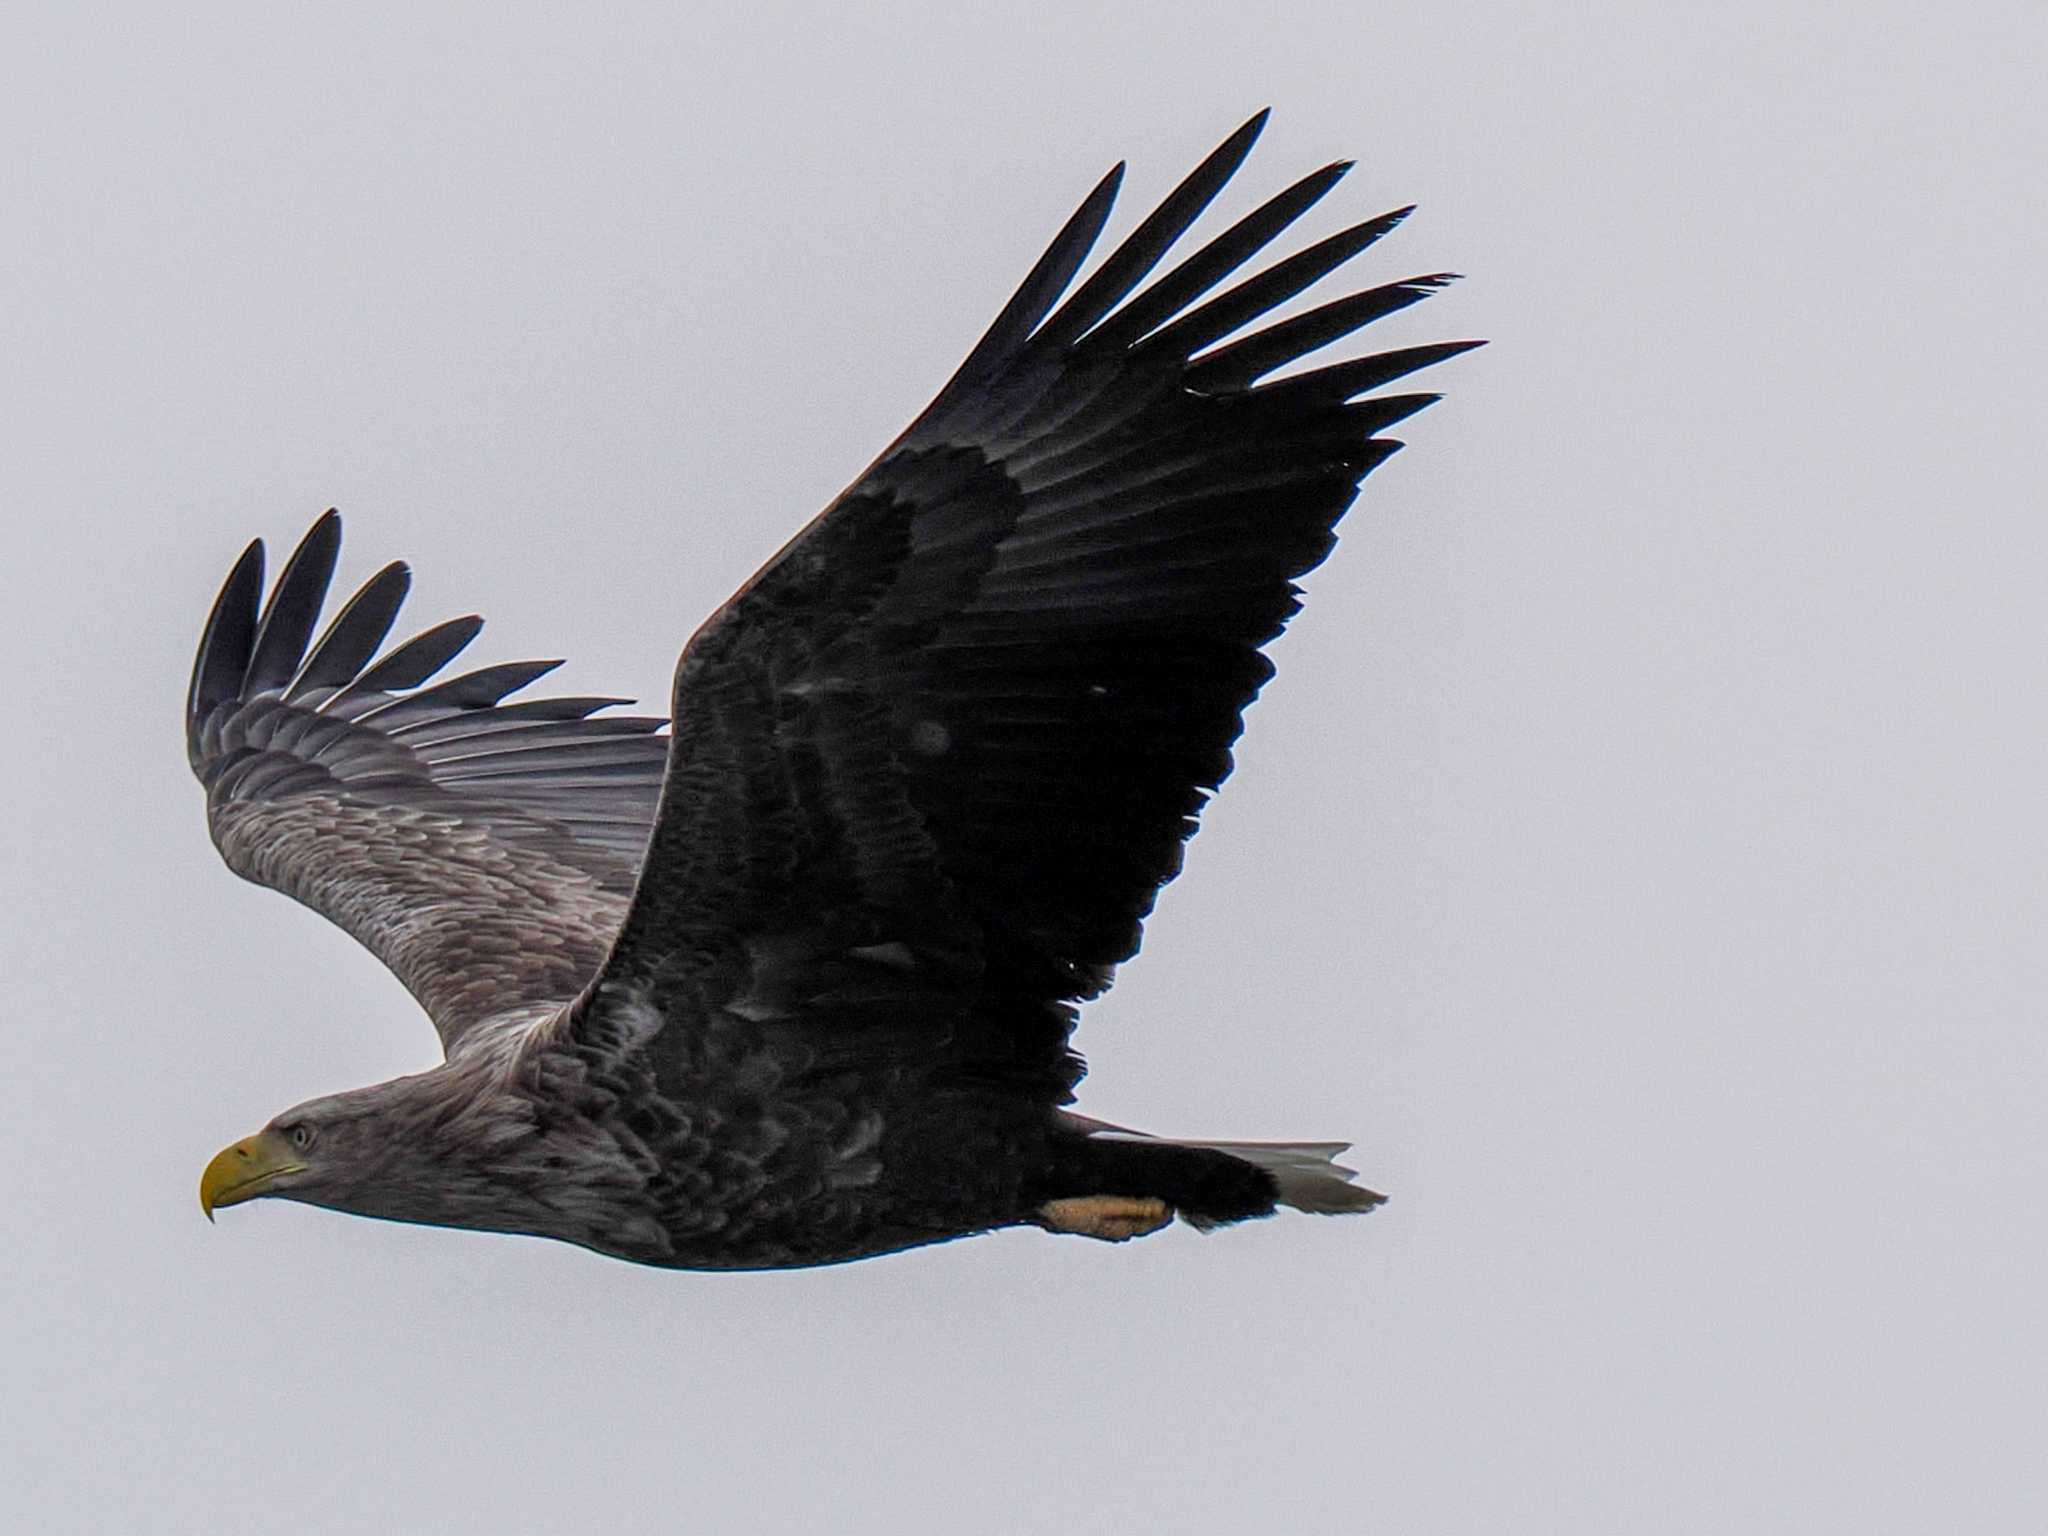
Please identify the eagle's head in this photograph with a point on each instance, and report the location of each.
(318, 1152)
(457, 1146)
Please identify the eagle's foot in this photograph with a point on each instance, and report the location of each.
(1111, 1218)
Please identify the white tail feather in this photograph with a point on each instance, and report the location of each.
(1308, 1173)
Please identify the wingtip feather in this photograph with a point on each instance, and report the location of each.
(294, 606)
(1047, 279)
(352, 638)
(226, 641)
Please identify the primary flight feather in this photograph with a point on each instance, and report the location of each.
(793, 980)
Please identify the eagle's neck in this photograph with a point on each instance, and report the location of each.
(480, 1142)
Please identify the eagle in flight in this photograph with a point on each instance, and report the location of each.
(790, 979)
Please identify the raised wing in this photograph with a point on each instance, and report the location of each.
(933, 763)
(484, 851)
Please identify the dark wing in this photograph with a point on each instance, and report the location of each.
(484, 851)
(932, 764)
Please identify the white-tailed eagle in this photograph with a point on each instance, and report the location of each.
(792, 980)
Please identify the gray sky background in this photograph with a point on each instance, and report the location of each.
(1641, 853)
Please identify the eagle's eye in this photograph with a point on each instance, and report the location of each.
(301, 1135)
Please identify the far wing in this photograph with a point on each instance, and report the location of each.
(932, 764)
(483, 850)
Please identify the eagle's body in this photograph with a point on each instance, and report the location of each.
(793, 982)
(542, 1133)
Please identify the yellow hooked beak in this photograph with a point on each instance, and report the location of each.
(246, 1170)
